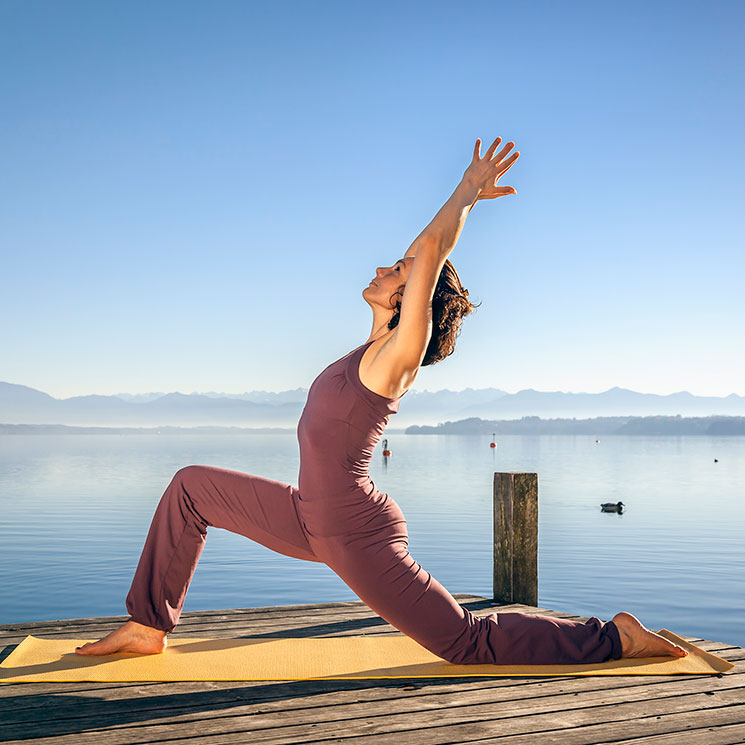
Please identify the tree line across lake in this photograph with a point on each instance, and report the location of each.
(602, 425)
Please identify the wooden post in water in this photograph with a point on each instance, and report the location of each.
(516, 538)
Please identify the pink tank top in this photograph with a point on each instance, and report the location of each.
(338, 430)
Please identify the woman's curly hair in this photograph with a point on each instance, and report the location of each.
(450, 305)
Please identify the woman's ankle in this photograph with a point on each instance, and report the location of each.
(148, 629)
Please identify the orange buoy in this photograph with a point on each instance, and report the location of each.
(386, 452)
(493, 444)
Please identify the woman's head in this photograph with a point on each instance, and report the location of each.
(450, 304)
(388, 285)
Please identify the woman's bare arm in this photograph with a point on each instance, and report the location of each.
(432, 248)
(431, 233)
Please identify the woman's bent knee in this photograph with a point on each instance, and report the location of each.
(185, 490)
(188, 474)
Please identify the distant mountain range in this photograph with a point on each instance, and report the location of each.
(20, 404)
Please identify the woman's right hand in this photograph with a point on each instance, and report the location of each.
(483, 173)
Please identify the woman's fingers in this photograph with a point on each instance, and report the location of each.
(506, 149)
(480, 169)
(477, 149)
(492, 148)
(507, 164)
(497, 191)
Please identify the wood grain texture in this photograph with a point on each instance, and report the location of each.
(516, 538)
(705, 710)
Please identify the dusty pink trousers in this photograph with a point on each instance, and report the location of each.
(372, 557)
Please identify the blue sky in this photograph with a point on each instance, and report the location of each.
(194, 195)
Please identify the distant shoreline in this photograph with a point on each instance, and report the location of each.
(529, 425)
(65, 429)
(608, 425)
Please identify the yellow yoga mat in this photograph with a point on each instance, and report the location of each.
(38, 660)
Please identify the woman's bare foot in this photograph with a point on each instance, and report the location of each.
(639, 641)
(131, 637)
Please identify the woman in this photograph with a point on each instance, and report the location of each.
(336, 515)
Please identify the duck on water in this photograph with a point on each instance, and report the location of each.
(612, 507)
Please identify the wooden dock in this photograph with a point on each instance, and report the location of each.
(675, 709)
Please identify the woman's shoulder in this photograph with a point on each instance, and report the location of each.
(380, 370)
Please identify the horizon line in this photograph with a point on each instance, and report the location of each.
(412, 390)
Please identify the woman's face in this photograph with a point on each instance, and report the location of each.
(388, 280)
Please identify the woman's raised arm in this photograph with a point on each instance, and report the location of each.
(433, 246)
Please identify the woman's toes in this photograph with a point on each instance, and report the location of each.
(127, 639)
(639, 641)
(93, 648)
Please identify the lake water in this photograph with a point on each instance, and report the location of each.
(76, 510)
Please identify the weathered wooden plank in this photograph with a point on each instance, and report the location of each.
(199, 618)
(209, 714)
(554, 729)
(248, 613)
(726, 735)
(309, 627)
(516, 538)
(325, 622)
(682, 726)
(673, 726)
(374, 621)
(368, 731)
(587, 692)
(34, 695)
(264, 609)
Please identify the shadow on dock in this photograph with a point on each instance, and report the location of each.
(567, 710)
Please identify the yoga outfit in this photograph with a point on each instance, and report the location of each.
(337, 516)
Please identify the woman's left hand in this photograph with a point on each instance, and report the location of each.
(483, 173)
